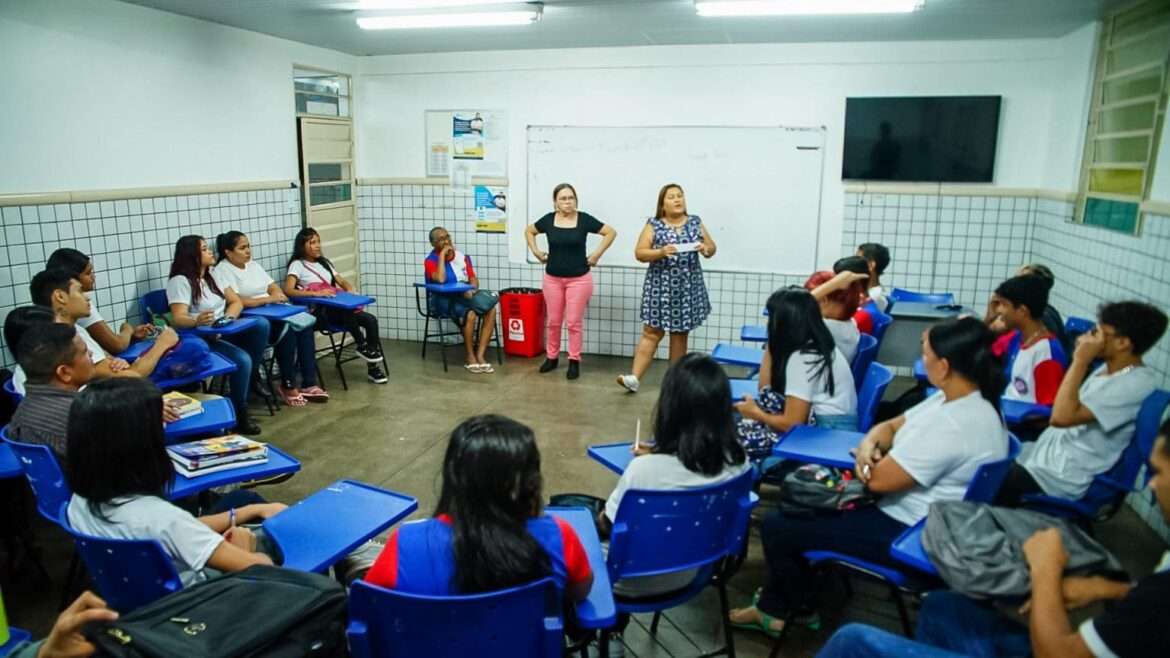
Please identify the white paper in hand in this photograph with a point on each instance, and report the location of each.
(688, 246)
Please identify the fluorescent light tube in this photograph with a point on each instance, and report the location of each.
(473, 19)
(365, 5)
(804, 7)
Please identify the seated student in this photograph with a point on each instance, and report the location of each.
(457, 268)
(1051, 317)
(18, 323)
(804, 378)
(55, 359)
(694, 445)
(196, 300)
(310, 274)
(838, 295)
(296, 350)
(119, 473)
(951, 625)
(877, 259)
(80, 267)
(929, 454)
(60, 292)
(1034, 357)
(489, 531)
(1094, 414)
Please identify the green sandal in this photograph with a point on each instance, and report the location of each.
(766, 626)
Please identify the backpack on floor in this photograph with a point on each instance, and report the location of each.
(813, 489)
(262, 611)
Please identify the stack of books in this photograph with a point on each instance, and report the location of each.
(219, 454)
(184, 404)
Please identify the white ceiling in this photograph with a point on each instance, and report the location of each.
(593, 23)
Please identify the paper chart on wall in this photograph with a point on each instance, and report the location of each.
(475, 139)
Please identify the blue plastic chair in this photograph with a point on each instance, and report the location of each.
(154, 303)
(867, 349)
(1074, 327)
(706, 529)
(129, 573)
(521, 621)
(881, 321)
(44, 474)
(903, 295)
(1108, 490)
(873, 387)
(10, 389)
(982, 488)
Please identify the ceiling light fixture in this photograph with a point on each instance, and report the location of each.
(470, 19)
(804, 7)
(367, 5)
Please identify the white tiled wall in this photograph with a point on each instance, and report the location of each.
(131, 241)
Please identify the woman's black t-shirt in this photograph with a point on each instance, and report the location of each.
(566, 246)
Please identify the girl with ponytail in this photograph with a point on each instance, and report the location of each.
(928, 454)
(489, 531)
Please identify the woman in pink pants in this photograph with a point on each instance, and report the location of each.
(568, 284)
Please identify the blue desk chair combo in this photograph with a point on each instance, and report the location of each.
(44, 475)
(873, 386)
(706, 528)
(422, 303)
(521, 621)
(1074, 327)
(903, 295)
(867, 348)
(126, 587)
(10, 390)
(1108, 490)
(881, 321)
(983, 487)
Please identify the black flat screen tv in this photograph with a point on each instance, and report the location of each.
(921, 138)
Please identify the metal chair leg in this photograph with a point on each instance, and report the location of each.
(426, 335)
(336, 349)
(654, 622)
(907, 629)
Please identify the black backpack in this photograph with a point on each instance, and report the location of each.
(262, 611)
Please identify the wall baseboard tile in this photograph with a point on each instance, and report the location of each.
(83, 196)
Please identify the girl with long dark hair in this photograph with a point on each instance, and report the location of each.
(804, 378)
(295, 349)
(119, 472)
(695, 445)
(489, 531)
(197, 300)
(927, 455)
(80, 267)
(311, 274)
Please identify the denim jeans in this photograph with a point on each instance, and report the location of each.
(861, 641)
(246, 350)
(296, 351)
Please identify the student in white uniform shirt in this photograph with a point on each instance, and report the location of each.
(804, 378)
(927, 455)
(81, 267)
(296, 350)
(1095, 413)
(196, 300)
(839, 295)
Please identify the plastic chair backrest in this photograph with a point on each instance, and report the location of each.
(873, 387)
(903, 295)
(154, 302)
(44, 476)
(1148, 421)
(1125, 472)
(990, 476)
(1074, 327)
(10, 389)
(881, 322)
(129, 573)
(700, 525)
(867, 349)
(521, 621)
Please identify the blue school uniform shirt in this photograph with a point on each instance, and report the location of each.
(419, 559)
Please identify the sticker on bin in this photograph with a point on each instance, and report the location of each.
(515, 329)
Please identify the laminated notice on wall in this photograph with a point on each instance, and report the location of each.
(478, 138)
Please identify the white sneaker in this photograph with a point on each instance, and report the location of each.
(628, 382)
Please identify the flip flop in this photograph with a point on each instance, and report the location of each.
(486, 368)
(315, 394)
(472, 368)
(764, 626)
(297, 400)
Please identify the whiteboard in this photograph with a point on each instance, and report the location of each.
(757, 189)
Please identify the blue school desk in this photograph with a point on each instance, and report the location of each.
(614, 456)
(315, 533)
(902, 344)
(219, 366)
(744, 387)
(233, 327)
(15, 637)
(752, 333)
(218, 416)
(279, 463)
(817, 445)
(131, 354)
(272, 311)
(343, 300)
(738, 355)
(598, 609)
(446, 288)
(1016, 412)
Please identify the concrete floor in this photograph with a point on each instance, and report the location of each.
(394, 436)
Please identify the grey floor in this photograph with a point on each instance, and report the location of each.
(394, 436)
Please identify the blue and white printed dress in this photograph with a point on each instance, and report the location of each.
(674, 297)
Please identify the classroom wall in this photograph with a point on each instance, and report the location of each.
(102, 94)
(775, 84)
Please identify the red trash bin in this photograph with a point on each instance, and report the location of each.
(522, 314)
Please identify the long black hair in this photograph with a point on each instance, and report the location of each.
(188, 262)
(795, 325)
(225, 242)
(299, 242)
(491, 488)
(115, 443)
(693, 419)
(966, 345)
(68, 259)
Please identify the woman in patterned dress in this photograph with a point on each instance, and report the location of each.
(674, 297)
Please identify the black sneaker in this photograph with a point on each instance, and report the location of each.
(574, 369)
(375, 375)
(549, 364)
(246, 426)
(370, 353)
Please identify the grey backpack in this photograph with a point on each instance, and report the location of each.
(813, 489)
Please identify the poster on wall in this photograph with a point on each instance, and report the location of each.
(491, 209)
(477, 139)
